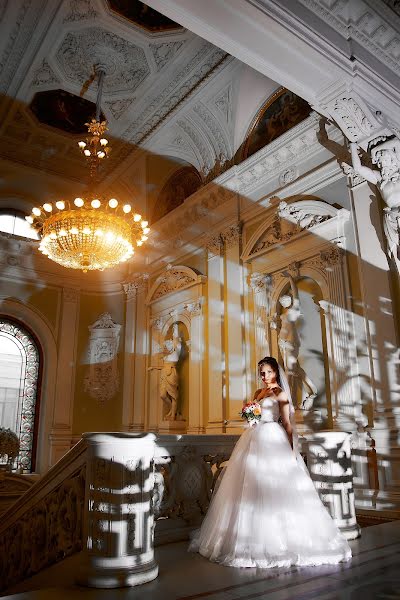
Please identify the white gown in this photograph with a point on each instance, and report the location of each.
(266, 511)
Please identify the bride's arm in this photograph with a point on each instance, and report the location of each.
(285, 415)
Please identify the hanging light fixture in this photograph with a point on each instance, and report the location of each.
(90, 232)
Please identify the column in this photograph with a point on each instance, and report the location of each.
(215, 312)
(234, 326)
(196, 418)
(133, 413)
(129, 366)
(119, 522)
(61, 431)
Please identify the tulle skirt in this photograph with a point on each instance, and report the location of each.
(266, 511)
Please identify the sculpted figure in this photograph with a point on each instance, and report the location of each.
(385, 154)
(169, 380)
(289, 344)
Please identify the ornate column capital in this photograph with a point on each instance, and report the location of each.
(231, 235)
(71, 294)
(194, 308)
(214, 245)
(132, 288)
(260, 282)
(331, 257)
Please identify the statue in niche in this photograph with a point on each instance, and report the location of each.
(289, 345)
(385, 154)
(169, 379)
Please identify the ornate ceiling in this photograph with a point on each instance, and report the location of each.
(166, 91)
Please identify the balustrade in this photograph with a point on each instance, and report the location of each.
(116, 495)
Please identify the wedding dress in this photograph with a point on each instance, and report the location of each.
(266, 511)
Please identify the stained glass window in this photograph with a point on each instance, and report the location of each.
(19, 378)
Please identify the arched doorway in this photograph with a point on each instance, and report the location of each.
(20, 374)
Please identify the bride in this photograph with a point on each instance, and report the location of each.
(266, 511)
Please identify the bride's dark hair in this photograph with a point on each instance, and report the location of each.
(272, 362)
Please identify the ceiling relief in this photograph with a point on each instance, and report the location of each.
(118, 107)
(140, 14)
(179, 186)
(282, 111)
(80, 10)
(63, 110)
(163, 53)
(187, 78)
(44, 76)
(124, 62)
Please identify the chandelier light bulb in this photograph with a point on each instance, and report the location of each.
(144, 224)
(146, 230)
(95, 203)
(99, 232)
(82, 145)
(139, 242)
(29, 219)
(137, 217)
(110, 237)
(103, 142)
(78, 202)
(101, 154)
(127, 208)
(62, 233)
(86, 152)
(53, 235)
(74, 230)
(47, 207)
(60, 204)
(86, 230)
(113, 203)
(144, 238)
(36, 211)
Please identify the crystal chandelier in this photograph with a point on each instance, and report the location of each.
(91, 232)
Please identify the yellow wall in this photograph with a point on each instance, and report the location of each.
(89, 414)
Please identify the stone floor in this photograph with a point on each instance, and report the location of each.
(372, 574)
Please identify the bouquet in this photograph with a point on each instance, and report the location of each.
(251, 411)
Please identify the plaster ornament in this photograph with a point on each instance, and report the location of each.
(354, 122)
(173, 280)
(80, 10)
(295, 214)
(385, 154)
(118, 107)
(288, 176)
(163, 53)
(44, 75)
(124, 62)
(102, 379)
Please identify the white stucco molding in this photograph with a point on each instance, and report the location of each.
(290, 220)
(175, 278)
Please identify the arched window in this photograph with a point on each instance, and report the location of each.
(19, 384)
(13, 221)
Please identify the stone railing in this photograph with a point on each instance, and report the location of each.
(116, 494)
(45, 524)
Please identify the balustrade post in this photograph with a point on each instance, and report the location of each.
(119, 523)
(329, 463)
